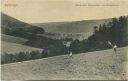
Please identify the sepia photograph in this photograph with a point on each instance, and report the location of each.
(64, 40)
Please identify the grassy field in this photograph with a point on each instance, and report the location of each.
(98, 65)
(9, 47)
(13, 39)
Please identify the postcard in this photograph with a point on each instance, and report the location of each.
(64, 40)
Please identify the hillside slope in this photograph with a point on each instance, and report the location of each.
(85, 26)
(15, 27)
(13, 39)
(99, 65)
(9, 47)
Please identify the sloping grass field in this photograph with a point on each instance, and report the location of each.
(98, 65)
(13, 39)
(13, 48)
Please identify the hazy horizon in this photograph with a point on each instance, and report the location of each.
(65, 20)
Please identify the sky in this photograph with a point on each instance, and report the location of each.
(40, 11)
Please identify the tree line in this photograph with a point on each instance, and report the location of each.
(115, 31)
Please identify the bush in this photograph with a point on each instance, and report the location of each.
(21, 56)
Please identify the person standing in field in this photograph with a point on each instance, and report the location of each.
(113, 46)
(70, 55)
(69, 50)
